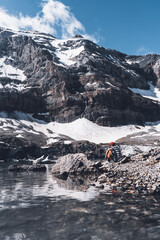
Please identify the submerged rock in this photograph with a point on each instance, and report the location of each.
(18, 168)
(23, 168)
(37, 168)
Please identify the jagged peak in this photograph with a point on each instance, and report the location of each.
(78, 36)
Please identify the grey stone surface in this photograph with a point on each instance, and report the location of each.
(71, 164)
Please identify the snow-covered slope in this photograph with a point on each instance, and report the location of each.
(81, 129)
(65, 50)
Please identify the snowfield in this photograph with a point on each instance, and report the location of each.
(67, 55)
(80, 129)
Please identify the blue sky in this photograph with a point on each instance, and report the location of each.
(129, 26)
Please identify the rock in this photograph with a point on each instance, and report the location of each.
(30, 146)
(134, 175)
(79, 183)
(125, 159)
(70, 164)
(22, 168)
(157, 157)
(97, 165)
(74, 164)
(37, 168)
(18, 168)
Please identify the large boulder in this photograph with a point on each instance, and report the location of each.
(70, 164)
(74, 164)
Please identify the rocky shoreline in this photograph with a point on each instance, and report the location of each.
(79, 164)
(136, 174)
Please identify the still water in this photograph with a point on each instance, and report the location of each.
(34, 206)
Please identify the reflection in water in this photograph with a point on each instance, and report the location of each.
(20, 188)
(35, 206)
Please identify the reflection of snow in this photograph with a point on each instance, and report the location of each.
(152, 93)
(53, 190)
(28, 187)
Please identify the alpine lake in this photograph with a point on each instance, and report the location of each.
(36, 206)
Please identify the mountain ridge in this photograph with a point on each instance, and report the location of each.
(76, 78)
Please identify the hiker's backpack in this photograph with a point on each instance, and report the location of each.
(116, 153)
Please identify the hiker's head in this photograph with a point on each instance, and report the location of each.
(112, 144)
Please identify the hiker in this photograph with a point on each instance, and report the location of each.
(113, 153)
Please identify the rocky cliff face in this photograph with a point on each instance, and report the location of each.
(75, 78)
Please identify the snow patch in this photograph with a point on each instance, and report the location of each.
(51, 141)
(153, 93)
(67, 55)
(10, 72)
(129, 61)
(19, 136)
(83, 129)
(64, 53)
(67, 142)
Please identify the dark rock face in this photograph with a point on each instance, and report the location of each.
(31, 146)
(94, 85)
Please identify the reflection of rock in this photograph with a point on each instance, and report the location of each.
(18, 168)
(74, 164)
(22, 168)
(79, 183)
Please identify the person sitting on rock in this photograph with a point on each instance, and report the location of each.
(113, 153)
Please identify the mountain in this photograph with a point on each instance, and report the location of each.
(75, 78)
(64, 80)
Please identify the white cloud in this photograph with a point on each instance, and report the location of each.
(54, 18)
(142, 50)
